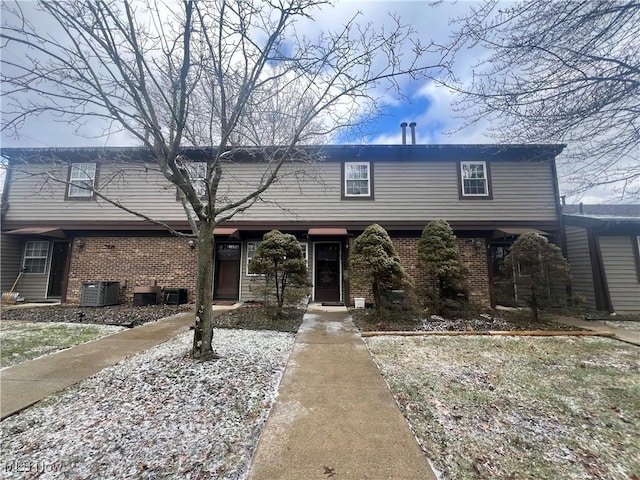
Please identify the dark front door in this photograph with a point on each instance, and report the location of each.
(58, 266)
(227, 273)
(327, 272)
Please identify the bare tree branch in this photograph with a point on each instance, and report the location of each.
(564, 72)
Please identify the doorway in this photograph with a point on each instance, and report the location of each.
(327, 276)
(227, 271)
(58, 267)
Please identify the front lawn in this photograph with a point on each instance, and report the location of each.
(525, 407)
(21, 341)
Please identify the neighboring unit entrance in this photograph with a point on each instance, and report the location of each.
(227, 271)
(58, 265)
(327, 272)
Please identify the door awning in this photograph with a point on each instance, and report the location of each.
(226, 231)
(43, 231)
(508, 231)
(328, 231)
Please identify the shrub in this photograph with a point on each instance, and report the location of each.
(280, 259)
(439, 258)
(534, 260)
(374, 263)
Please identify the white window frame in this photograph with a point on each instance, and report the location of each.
(82, 174)
(255, 243)
(347, 179)
(36, 255)
(198, 176)
(303, 245)
(485, 178)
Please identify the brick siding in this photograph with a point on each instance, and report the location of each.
(473, 252)
(132, 261)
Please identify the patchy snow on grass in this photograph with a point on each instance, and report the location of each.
(523, 407)
(156, 415)
(21, 341)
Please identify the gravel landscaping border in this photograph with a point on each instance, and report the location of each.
(158, 414)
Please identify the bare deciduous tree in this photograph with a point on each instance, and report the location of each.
(565, 71)
(228, 75)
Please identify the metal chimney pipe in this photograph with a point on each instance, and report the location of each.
(412, 125)
(581, 209)
(403, 125)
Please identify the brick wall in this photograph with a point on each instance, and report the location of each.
(474, 256)
(132, 261)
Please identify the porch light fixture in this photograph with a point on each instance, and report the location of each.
(191, 243)
(80, 243)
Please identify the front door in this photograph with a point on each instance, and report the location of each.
(58, 265)
(327, 272)
(227, 272)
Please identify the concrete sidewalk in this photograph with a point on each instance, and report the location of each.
(625, 335)
(24, 384)
(334, 416)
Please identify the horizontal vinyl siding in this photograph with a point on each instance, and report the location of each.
(409, 191)
(32, 197)
(404, 191)
(11, 248)
(620, 269)
(33, 286)
(580, 263)
(246, 281)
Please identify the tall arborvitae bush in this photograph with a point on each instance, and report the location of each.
(374, 263)
(439, 260)
(280, 260)
(534, 261)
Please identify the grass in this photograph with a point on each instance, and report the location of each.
(523, 407)
(21, 341)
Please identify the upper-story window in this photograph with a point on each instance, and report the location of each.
(474, 179)
(198, 175)
(82, 179)
(358, 180)
(35, 256)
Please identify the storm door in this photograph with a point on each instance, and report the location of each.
(227, 271)
(58, 266)
(327, 272)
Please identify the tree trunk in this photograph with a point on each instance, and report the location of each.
(203, 331)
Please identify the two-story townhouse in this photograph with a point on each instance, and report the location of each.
(62, 236)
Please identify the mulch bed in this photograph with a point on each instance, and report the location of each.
(257, 317)
(366, 320)
(121, 315)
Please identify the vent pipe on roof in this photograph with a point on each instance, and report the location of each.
(412, 125)
(581, 208)
(403, 125)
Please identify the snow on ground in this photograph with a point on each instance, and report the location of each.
(156, 415)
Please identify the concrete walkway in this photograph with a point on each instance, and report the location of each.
(625, 335)
(334, 417)
(29, 382)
